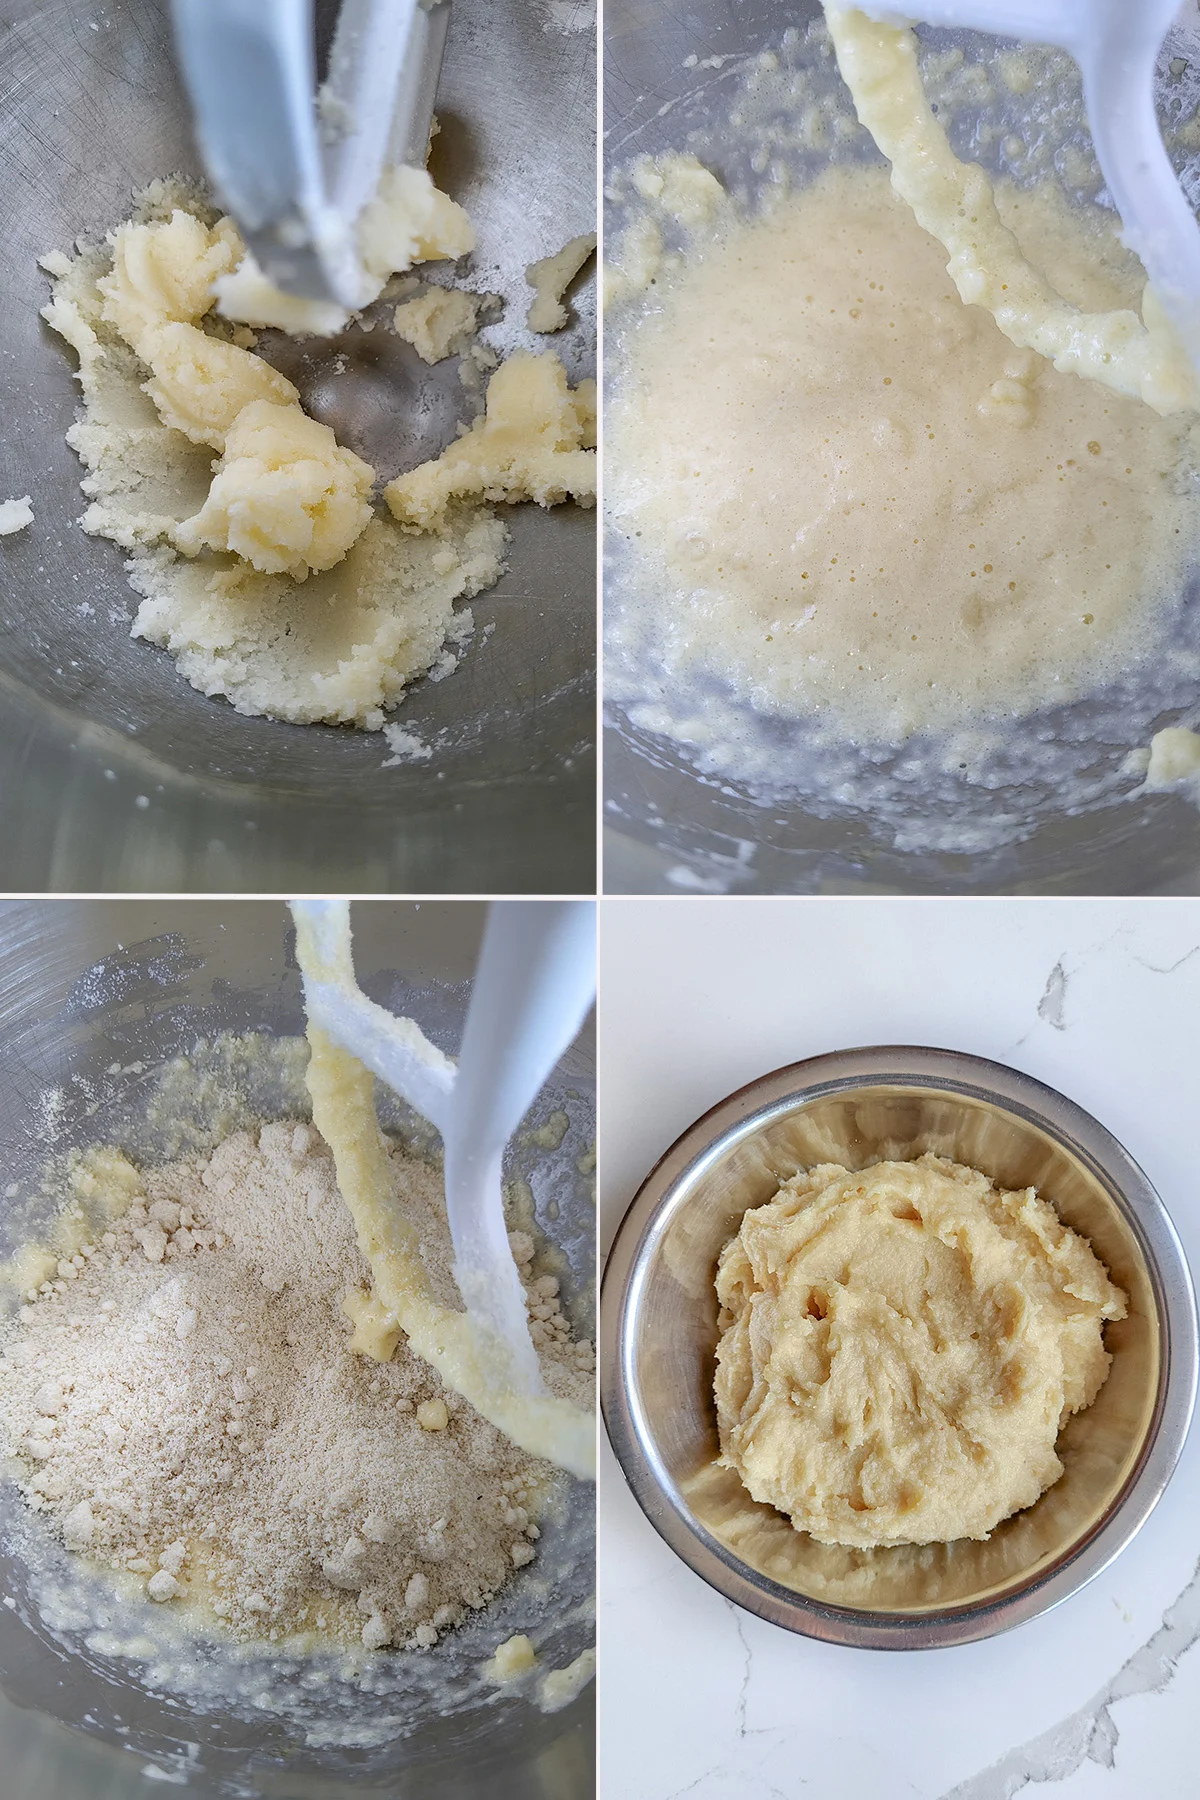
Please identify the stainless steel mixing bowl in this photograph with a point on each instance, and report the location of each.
(94, 996)
(670, 828)
(658, 1338)
(115, 774)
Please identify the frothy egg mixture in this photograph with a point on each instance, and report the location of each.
(842, 498)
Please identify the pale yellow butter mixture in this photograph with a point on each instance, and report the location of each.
(900, 1348)
(848, 490)
(1129, 348)
(402, 1303)
(900, 457)
(262, 563)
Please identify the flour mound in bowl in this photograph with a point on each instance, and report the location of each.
(181, 1396)
(900, 1348)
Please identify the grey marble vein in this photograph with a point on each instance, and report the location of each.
(747, 1664)
(1053, 1001)
(1091, 1734)
(1169, 968)
(738, 1782)
(743, 1730)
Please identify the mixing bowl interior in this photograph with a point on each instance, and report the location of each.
(694, 1202)
(671, 826)
(98, 997)
(92, 112)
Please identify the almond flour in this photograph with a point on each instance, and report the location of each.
(185, 1408)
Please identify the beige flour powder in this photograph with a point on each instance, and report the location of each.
(185, 1407)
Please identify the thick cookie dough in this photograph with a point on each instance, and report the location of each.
(900, 1347)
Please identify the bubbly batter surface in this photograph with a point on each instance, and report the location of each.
(846, 490)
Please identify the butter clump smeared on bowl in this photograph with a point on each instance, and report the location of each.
(550, 278)
(900, 1348)
(286, 496)
(534, 442)
(409, 221)
(269, 576)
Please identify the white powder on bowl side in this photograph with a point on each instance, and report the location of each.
(184, 1407)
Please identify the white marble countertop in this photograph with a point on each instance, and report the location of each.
(1099, 1699)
